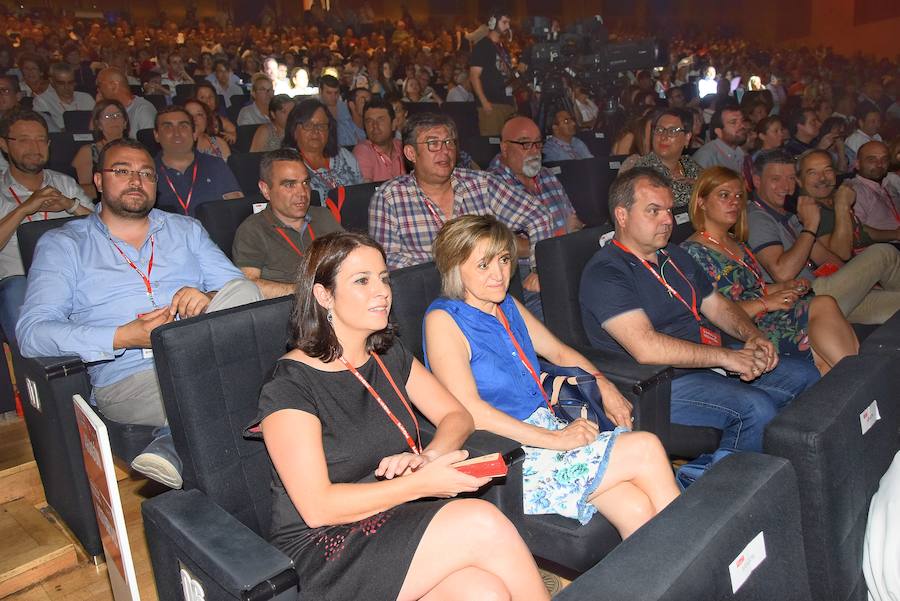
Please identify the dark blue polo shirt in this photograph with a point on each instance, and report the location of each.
(214, 180)
(615, 282)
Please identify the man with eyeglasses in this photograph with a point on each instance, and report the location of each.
(99, 286)
(61, 96)
(188, 178)
(112, 84)
(563, 145)
(28, 192)
(731, 134)
(406, 213)
(257, 112)
(519, 166)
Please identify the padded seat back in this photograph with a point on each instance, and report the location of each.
(77, 122)
(586, 183)
(884, 340)
(560, 262)
(682, 228)
(185, 90)
(63, 148)
(413, 289)
(221, 219)
(29, 232)
(157, 100)
(145, 137)
(245, 135)
(350, 205)
(840, 451)
(210, 371)
(245, 166)
(465, 115)
(597, 143)
(685, 552)
(482, 149)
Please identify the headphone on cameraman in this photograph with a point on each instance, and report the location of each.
(494, 19)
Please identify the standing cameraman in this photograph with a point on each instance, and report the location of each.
(490, 71)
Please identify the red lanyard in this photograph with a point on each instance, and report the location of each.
(524, 358)
(755, 270)
(312, 236)
(324, 172)
(19, 202)
(430, 206)
(336, 208)
(184, 203)
(144, 277)
(416, 449)
(386, 160)
(672, 292)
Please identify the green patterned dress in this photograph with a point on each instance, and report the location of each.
(788, 329)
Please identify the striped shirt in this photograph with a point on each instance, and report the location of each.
(405, 221)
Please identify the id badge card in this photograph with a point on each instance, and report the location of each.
(710, 337)
(509, 91)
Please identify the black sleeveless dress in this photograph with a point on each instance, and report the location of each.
(368, 559)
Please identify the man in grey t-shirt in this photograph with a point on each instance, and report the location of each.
(787, 247)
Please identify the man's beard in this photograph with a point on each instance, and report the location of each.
(531, 166)
(127, 208)
(33, 170)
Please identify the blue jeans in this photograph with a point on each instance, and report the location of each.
(12, 296)
(740, 409)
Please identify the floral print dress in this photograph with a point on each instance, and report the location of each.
(788, 330)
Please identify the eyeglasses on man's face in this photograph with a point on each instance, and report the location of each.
(145, 175)
(434, 145)
(23, 140)
(527, 144)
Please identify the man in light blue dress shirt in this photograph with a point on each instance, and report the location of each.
(98, 287)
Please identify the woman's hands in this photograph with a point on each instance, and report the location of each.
(616, 407)
(578, 433)
(433, 471)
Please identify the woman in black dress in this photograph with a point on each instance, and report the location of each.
(350, 471)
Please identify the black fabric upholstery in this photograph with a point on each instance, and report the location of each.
(185, 89)
(29, 232)
(586, 183)
(245, 135)
(145, 137)
(210, 370)
(353, 212)
(482, 149)
(465, 115)
(684, 553)
(885, 339)
(245, 166)
(185, 528)
(77, 122)
(561, 261)
(683, 230)
(221, 219)
(838, 467)
(53, 432)
(157, 100)
(597, 143)
(63, 148)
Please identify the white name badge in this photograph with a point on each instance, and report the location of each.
(682, 218)
(748, 560)
(869, 416)
(147, 353)
(259, 206)
(605, 238)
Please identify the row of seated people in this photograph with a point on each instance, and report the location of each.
(126, 181)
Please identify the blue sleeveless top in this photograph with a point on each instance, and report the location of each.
(500, 376)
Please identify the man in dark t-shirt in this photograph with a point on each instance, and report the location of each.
(649, 298)
(490, 71)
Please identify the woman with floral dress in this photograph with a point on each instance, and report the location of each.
(792, 317)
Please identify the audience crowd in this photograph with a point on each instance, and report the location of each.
(786, 162)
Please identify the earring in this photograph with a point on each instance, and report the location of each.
(330, 317)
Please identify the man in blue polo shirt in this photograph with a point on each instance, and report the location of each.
(649, 298)
(187, 178)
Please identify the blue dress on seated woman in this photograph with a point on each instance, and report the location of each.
(552, 481)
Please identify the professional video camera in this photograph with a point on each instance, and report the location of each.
(584, 55)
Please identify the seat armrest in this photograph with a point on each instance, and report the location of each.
(648, 387)
(57, 367)
(481, 442)
(224, 553)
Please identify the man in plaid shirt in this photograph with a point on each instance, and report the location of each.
(407, 212)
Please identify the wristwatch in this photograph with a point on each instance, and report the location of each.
(71, 210)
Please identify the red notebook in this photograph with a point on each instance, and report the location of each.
(487, 465)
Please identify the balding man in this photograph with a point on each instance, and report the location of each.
(61, 96)
(113, 85)
(519, 165)
(874, 207)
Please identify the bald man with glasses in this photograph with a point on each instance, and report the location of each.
(61, 95)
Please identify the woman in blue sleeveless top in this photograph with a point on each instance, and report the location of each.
(482, 344)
